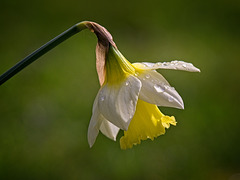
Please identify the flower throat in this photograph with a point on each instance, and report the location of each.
(118, 68)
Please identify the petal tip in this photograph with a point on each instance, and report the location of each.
(90, 140)
(90, 143)
(182, 106)
(195, 69)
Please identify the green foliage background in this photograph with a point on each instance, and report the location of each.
(45, 109)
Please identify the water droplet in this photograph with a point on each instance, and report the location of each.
(158, 64)
(102, 98)
(127, 83)
(147, 76)
(158, 88)
(170, 99)
(165, 86)
(164, 64)
(137, 73)
(184, 65)
(169, 87)
(176, 62)
(131, 103)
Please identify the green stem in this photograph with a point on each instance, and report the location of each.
(41, 51)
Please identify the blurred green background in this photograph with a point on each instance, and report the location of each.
(46, 108)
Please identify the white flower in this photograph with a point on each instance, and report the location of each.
(129, 97)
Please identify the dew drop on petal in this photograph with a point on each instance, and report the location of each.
(170, 99)
(158, 64)
(169, 87)
(176, 62)
(127, 83)
(102, 98)
(147, 76)
(184, 65)
(165, 86)
(158, 88)
(131, 102)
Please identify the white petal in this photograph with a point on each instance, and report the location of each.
(176, 65)
(109, 129)
(99, 122)
(96, 119)
(117, 103)
(156, 90)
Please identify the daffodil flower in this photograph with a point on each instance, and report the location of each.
(129, 93)
(129, 96)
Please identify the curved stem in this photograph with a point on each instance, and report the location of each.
(41, 51)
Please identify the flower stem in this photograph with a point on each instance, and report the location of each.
(41, 51)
